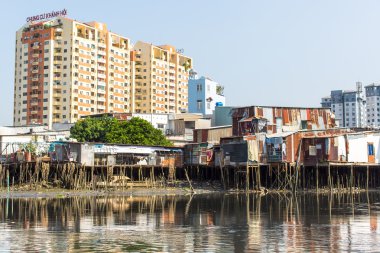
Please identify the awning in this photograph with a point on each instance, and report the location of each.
(249, 119)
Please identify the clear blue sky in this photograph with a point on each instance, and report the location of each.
(268, 52)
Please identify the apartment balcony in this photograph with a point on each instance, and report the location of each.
(102, 45)
(103, 76)
(57, 62)
(102, 60)
(34, 95)
(57, 87)
(101, 91)
(35, 55)
(35, 63)
(172, 97)
(101, 52)
(57, 78)
(35, 71)
(58, 53)
(35, 87)
(101, 107)
(56, 103)
(58, 37)
(102, 68)
(102, 99)
(59, 30)
(171, 104)
(35, 79)
(57, 70)
(36, 47)
(101, 83)
(34, 112)
(34, 103)
(55, 111)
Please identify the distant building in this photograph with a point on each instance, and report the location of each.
(349, 107)
(161, 79)
(204, 95)
(326, 102)
(373, 105)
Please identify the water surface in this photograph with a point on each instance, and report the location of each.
(199, 223)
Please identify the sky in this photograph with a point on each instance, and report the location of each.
(284, 53)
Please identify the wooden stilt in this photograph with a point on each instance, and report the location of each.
(317, 176)
(367, 182)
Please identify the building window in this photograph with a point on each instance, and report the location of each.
(199, 87)
(199, 105)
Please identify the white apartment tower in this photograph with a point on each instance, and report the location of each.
(349, 107)
(373, 105)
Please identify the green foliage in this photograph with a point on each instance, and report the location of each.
(30, 147)
(109, 130)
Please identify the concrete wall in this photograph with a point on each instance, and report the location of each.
(222, 116)
(358, 147)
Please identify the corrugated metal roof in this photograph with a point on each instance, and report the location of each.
(283, 134)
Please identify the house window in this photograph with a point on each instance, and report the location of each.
(199, 105)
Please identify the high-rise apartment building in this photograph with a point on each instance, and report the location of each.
(349, 107)
(373, 105)
(204, 95)
(161, 79)
(65, 69)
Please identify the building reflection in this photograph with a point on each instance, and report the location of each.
(215, 222)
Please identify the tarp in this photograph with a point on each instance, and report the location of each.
(253, 150)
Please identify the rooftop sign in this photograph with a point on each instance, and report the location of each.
(47, 15)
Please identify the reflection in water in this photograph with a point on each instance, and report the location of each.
(211, 223)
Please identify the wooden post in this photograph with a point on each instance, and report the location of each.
(259, 175)
(8, 180)
(92, 178)
(247, 178)
(367, 183)
(317, 176)
(352, 178)
(329, 176)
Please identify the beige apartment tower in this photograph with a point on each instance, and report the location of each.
(65, 69)
(161, 79)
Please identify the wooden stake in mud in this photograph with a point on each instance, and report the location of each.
(188, 180)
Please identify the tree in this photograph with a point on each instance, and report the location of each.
(93, 129)
(109, 130)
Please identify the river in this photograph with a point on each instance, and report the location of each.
(199, 223)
